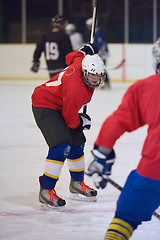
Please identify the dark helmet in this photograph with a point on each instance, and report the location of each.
(58, 21)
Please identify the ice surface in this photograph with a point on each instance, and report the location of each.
(22, 154)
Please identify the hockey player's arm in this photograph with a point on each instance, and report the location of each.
(78, 56)
(70, 110)
(85, 121)
(36, 62)
(100, 167)
(74, 119)
(35, 66)
(90, 49)
(37, 54)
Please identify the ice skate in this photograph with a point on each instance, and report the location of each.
(49, 198)
(81, 192)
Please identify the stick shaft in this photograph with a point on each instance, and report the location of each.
(92, 35)
(94, 21)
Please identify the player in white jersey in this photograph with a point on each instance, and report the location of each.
(75, 37)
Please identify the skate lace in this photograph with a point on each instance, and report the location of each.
(84, 187)
(52, 194)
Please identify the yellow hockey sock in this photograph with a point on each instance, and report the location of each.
(118, 230)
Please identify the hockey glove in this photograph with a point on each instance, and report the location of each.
(35, 66)
(100, 168)
(85, 121)
(90, 49)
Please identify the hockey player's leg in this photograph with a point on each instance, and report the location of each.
(138, 200)
(79, 190)
(53, 165)
(119, 230)
(58, 138)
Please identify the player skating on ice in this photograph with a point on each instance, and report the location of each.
(56, 106)
(140, 196)
(55, 44)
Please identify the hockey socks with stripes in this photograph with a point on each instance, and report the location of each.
(119, 230)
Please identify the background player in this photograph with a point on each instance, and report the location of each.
(140, 196)
(56, 106)
(75, 37)
(55, 44)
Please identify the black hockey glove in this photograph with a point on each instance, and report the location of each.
(100, 168)
(90, 49)
(35, 66)
(85, 121)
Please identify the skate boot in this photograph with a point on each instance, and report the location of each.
(80, 191)
(48, 197)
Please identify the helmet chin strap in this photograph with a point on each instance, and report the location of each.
(158, 68)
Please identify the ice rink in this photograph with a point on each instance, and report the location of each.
(22, 154)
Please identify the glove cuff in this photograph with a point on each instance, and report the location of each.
(36, 61)
(103, 150)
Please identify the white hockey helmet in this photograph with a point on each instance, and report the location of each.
(156, 55)
(89, 22)
(70, 28)
(93, 70)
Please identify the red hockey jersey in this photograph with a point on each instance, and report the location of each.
(140, 106)
(66, 91)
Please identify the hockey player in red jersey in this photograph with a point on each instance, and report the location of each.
(140, 196)
(56, 106)
(55, 44)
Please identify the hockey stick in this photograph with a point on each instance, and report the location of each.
(120, 188)
(92, 36)
(94, 20)
(119, 65)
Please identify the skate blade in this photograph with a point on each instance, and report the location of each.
(48, 207)
(80, 197)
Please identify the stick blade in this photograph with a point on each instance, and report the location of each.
(120, 64)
